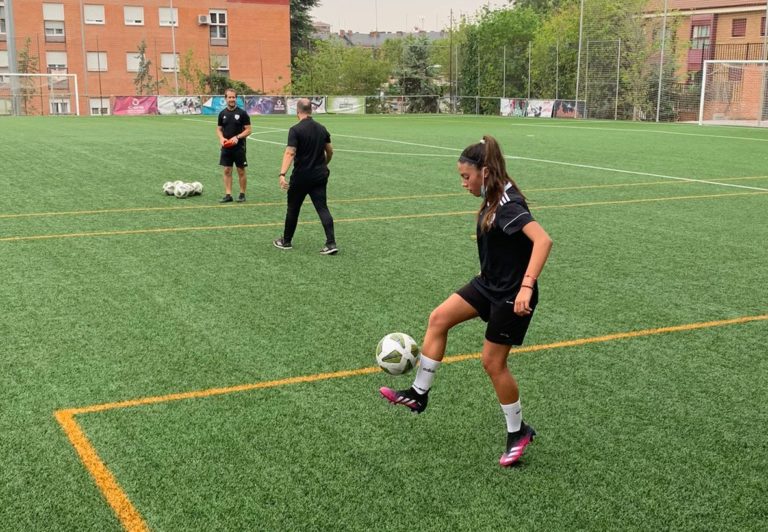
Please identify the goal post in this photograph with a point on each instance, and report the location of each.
(39, 94)
(734, 93)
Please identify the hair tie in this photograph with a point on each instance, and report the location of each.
(482, 141)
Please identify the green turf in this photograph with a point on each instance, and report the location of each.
(113, 291)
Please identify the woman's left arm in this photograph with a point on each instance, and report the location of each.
(542, 244)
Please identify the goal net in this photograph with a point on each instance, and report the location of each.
(39, 94)
(734, 93)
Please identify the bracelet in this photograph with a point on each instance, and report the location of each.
(527, 286)
(282, 174)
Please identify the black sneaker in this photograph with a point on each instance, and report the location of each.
(516, 444)
(241, 198)
(226, 199)
(410, 398)
(329, 249)
(282, 244)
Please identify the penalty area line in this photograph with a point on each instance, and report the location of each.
(129, 516)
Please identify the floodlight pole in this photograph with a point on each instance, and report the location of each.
(13, 65)
(661, 60)
(173, 46)
(578, 57)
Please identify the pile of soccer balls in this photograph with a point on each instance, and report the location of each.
(397, 353)
(180, 189)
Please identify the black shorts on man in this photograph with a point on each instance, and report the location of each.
(235, 155)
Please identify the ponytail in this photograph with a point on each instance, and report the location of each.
(487, 154)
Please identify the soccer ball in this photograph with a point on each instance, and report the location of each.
(182, 191)
(169, 188)
(397, 353)
(197, 188)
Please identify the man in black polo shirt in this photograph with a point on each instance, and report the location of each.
(309, 150)
(233, 128)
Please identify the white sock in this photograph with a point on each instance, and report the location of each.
(514, 415)
(425, 374)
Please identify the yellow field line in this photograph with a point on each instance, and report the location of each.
(363, 219)
(338, 201)
(131, 519)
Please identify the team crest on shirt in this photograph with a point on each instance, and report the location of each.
(237, 117)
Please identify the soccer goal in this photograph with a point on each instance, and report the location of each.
(39, 94)
(734, 92)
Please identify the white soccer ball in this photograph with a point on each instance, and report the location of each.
(397, 353)
(197, 187)
(169, 188)
(182, 191)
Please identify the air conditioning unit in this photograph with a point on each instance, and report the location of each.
(202, 20)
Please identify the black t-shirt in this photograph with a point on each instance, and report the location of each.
(309, 138)
(233, 123)
(504, 249)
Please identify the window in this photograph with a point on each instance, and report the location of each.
(99, 106)
(134, 15)
(59, 106)
(169, 62)
(53, 22)
(169, 17)
(2, 19)
(4, 61)
(217, 26)
(54, 30)
(762, 27)
(94, 14)
(97, 61)
(220, 63)
(739, 27)
(700, 37)
(132, 61)
(56, 62)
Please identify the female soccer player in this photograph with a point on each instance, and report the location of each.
(513, 248)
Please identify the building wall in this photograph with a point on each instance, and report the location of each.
(257, 46)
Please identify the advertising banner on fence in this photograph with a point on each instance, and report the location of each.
(540, 108)
(318, 104)
(135, 105)
(179, 105)
(215, 104)
(266, 105)
(513, 107)
(354, 105)
(568, 109)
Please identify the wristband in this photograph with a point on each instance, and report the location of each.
(527, 286)
(282, 174)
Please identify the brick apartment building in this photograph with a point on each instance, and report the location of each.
(715, 29)
(248, 40)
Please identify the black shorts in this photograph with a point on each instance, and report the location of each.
(504, 326)
(229, 157)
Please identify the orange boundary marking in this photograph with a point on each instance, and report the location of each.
(363, 219)
(129, 516)
(339, 201)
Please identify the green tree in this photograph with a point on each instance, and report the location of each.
(143, 81)
(192, 74)
(28, 64)
(494, 56)
(335, 68)
(301, 26)
(414, 75)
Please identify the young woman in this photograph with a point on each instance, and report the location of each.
(513, 248)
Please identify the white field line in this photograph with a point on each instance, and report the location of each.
(545, 161)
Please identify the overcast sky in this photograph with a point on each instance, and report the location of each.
(395, 15)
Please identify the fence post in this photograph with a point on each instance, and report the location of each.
(661, 60)
(529, 70)
(618, 75)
